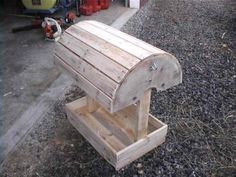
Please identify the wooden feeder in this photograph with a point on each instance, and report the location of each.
(117, 72)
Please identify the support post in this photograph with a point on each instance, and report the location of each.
(92, 104)
(143, 107)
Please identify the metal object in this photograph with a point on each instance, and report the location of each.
(153, 67)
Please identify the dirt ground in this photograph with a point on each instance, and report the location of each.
(201, 112)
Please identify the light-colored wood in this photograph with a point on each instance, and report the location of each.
(127, 37)
(114, 53)
(143, 106)
(141, 147)
(92, 104)
(95, 58)
(93, 75)
(84, 84)
(115, 64)
(166, 75)
(116, 41)
(97, 128)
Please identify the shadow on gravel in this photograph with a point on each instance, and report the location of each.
(201, 112)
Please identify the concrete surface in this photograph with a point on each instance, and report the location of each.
(27, 75)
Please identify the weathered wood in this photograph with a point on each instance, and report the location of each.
(84, 84)
(127, 37)
(98, 128)
(166, 73)
(116, 54)
(92, 104)
(117, 72)
(104, 64)
(143, 106)
(116, 64)
(103, 83)
(116, 41)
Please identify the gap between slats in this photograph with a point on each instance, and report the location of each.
(118, 42)
(93, 75)
(113, 52)
(102, 63)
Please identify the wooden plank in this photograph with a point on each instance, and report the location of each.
(102, 63)
(127, 37)
(141, 147)
(166, 75)
(117, 125)
(100, 80)
(85, 85)
(143, 106)
(116, 54)
(91, 104)
(98, 136)
(90, 135)
(116, 41)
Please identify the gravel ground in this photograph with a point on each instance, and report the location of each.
(200, 112)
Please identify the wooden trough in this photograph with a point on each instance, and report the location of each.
(117, 72)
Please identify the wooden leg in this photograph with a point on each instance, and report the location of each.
(143, 107)
(92, 104)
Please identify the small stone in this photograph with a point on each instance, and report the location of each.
(139, 165)
(72, 145)
(140, 172)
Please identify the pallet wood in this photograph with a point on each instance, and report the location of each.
(142, 115)
(114, 148)
(116, 64)
(117, 72)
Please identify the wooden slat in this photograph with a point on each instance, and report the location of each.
(95, 58)
(99, 136)
(117, 125)
(116, 54)
(100, 80)
(85, 85)
(141, 147)
(127, 37)
(143, 106)
(116, 41)
(91, 104)
(82, 125)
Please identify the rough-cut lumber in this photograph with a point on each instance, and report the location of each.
(117, 67)
(101, 129)
(143, 106)
(117, 72)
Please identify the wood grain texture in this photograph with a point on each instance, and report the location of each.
(95, 58)
(101, 129)
(143, 107)
(115, 40)
(84, 84)
(93, 75)
(91, 104)
(114, 53)
(167, 74)
(127, 37)
(115, 64)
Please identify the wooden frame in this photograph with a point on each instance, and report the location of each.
(117, 71)
(114, 135)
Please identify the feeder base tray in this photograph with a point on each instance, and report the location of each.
(113, 135)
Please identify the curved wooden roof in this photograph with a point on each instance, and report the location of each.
(113, 67)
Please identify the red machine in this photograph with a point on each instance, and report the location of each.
(104, 4)
(91, 6)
